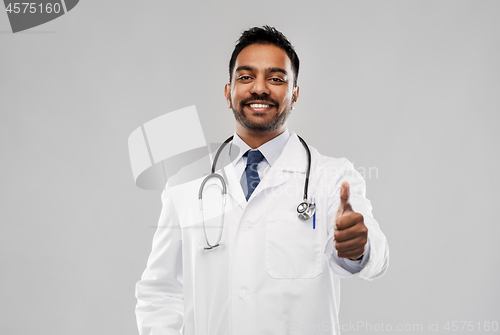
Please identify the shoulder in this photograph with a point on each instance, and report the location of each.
(326, 162)
(333, 171)
(321, 161)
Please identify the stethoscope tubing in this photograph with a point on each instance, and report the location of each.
(304, 214)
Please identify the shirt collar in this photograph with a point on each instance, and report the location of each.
(271, 150)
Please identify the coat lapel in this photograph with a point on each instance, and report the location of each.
(235, 190)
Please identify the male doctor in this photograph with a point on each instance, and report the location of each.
(273, 273)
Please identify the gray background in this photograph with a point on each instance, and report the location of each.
(408, 87)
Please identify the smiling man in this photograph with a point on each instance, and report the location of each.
(262, 92)
(278, 266)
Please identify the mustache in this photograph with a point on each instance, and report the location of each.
(257, 97)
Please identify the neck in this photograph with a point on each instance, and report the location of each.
(255, 140)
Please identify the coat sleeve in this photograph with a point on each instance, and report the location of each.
(378, 257)
(159, 293)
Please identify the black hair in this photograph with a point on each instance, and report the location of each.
(265, 35)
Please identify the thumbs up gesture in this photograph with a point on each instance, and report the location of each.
(350, 232)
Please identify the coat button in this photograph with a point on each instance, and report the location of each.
(243, 294)
(245, 226)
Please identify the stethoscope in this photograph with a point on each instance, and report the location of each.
(305, 210)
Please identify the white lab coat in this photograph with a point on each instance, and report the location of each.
(274, 274)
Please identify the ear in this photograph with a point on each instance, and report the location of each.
(227, 94)
(295, 95)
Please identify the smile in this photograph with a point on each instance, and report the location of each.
(259, 106)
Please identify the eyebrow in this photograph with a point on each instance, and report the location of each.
(268, 70)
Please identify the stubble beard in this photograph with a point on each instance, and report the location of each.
(274, 123)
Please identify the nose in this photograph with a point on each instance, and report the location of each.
(260, 86)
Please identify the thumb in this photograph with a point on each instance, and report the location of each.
(344, 197)
(344, 206)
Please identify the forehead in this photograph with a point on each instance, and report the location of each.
(263, 56)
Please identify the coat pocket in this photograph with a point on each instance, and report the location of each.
(293, 247)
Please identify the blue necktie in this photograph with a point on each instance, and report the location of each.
(254, 157)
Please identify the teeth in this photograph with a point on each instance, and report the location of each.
(259, 106)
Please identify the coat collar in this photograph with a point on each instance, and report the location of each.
(271, 150)
(294, 156)
(292, 160)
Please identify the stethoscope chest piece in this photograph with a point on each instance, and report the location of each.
(305, 210)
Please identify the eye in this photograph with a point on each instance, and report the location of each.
(244, 78)
(277, 80)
